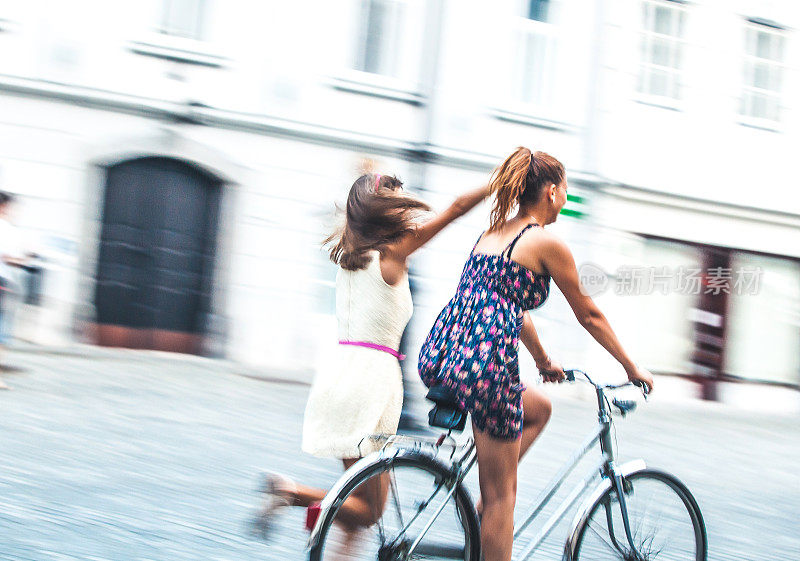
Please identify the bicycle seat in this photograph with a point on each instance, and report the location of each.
(445, 414)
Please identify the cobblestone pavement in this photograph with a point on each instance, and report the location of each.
(145, 456)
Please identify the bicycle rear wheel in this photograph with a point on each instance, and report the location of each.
(416, 487)
(665, 522)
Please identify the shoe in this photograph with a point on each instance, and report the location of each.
(312, 514)
(4, 386)
(278, 493)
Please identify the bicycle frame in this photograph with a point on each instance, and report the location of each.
(605, 470)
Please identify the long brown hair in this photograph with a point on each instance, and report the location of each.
(377, 213)
(520, 180)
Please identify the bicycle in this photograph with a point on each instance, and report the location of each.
(613, 521)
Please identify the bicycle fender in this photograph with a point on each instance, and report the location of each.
(582, 514)
(347, 477)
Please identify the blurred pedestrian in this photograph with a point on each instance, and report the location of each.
(362, 393)
(11, 258)
(473, 346)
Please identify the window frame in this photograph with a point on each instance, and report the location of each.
(167, 12)
(676, 41)
(750, 61)
(158, 43)
(539, 109)
(392, 37)
(526, 29)
(404, 83)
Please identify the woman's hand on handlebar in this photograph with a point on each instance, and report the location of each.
(551, 371)
(641, 377)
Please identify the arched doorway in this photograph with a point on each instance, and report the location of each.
(155, 264)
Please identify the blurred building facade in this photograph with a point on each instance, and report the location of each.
(178, 162)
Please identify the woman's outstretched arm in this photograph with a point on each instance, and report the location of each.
(560, 264)
(425, 231)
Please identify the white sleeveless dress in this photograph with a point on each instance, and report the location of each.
(362, 391)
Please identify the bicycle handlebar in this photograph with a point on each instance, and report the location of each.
(570, 374)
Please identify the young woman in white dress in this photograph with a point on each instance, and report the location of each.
(362, 393)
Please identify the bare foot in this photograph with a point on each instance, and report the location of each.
(279, 492)
(4, 386)
(280, 487)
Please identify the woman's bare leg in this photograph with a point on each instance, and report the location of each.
(536, 409)
(305, 496)
(365, 506)
(497, 475)
(361, 509)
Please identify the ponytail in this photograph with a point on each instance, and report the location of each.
(507, 185)
(520, 180)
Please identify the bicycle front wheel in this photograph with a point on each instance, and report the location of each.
(665, 522)
(385, 509)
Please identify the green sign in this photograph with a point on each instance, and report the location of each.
(576, 206)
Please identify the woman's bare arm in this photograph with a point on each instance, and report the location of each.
(560, 264)
(550, 371)
(424, 232)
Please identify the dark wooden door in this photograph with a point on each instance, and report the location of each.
(157, 252)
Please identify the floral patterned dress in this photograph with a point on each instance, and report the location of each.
(473, 345)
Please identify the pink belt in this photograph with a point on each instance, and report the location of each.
(375, 346)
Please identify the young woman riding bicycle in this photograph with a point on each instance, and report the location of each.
(472, 348)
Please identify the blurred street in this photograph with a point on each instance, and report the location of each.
(128, 455)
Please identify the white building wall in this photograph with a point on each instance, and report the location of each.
(288, 122)
(700, 148)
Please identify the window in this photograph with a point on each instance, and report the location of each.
(764, 315)
(536, 52)
(662, 48)
(763, 71)
(379, 43)
(386, 54)
(180, 35)
(183, 18)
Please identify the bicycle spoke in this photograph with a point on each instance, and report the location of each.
(379, 524)
(600, 536)
(651, 538)
(415, 494)
(665, 540)
(663, 525)
(419, 510)
(645, 539)
(395, 497)
(638, 531)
